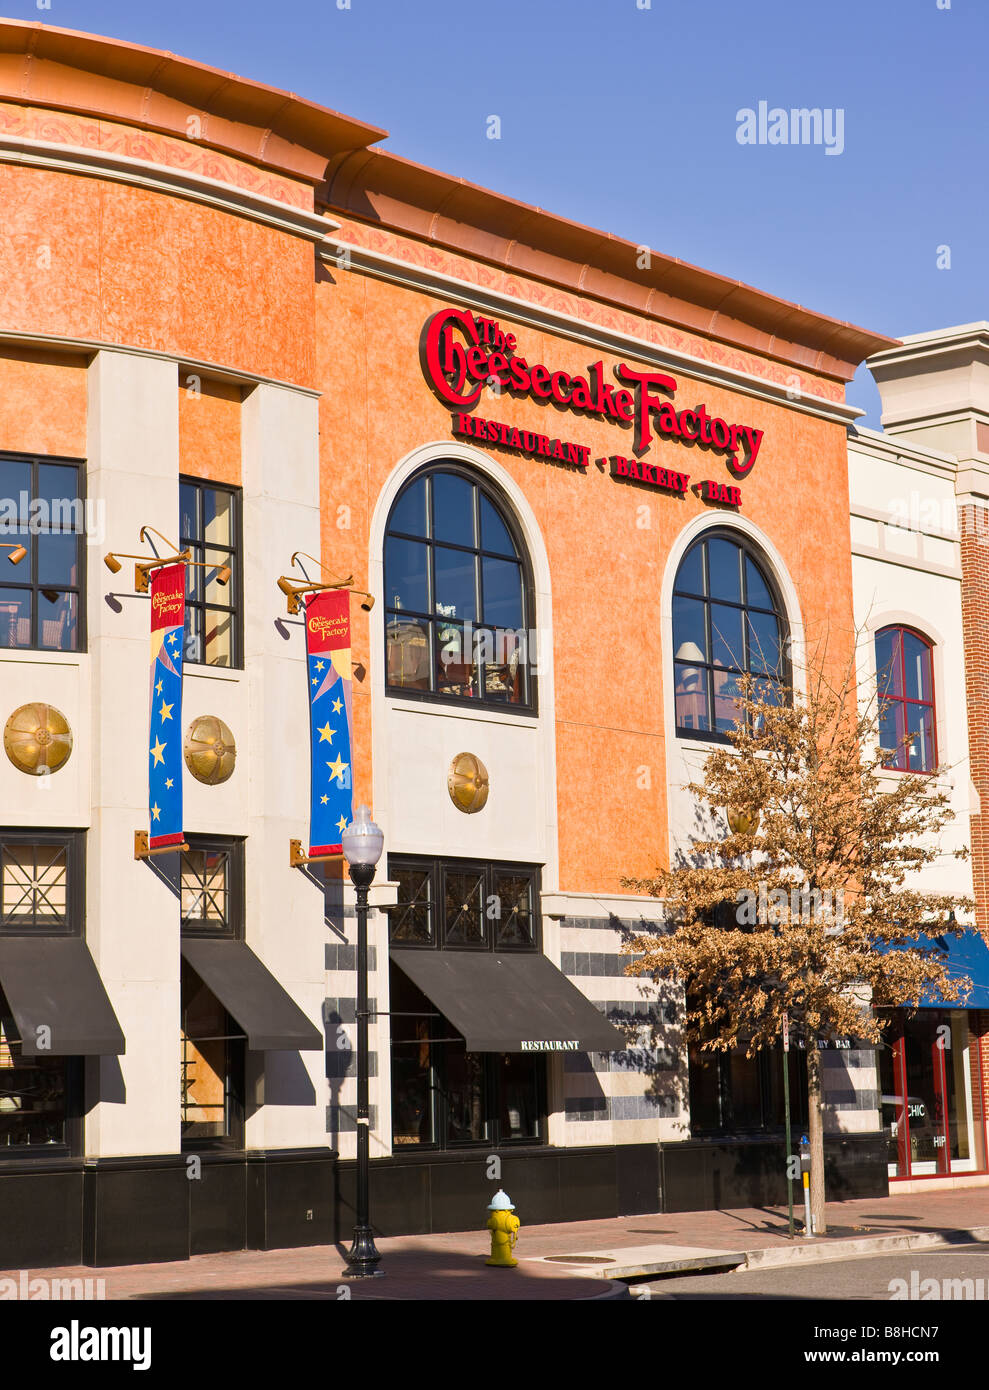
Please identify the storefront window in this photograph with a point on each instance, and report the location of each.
(904, 670)
(444, 1096)
(726, 623)
(931, 1078)
(41, 895)
(34, 1094)
(458, 594)
(731, 1093)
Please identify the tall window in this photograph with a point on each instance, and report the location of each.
(41, 893)
(43, 523)
(210, 528)
(727, 620)
(458, 594)
(212, 1043)
(904, 670)
(442, 1095)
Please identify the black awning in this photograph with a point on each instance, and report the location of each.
(250, 993)
(512, 1002)
(51, 982)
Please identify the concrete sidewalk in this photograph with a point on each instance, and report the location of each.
(570, 1261)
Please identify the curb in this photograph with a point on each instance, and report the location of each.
(812, 1253)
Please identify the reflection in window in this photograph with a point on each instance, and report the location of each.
(726, 623)
(904, 671)
(42, 522)
(457, 594)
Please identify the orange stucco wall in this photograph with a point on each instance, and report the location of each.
(209, 428)
(607, 544)
(42, 402)
(104, 262)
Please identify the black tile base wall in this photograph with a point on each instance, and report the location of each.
(140, 1210)
(136, 1210)
(706, 1175)
(413, 1194)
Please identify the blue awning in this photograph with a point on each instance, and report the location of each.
(965, 957)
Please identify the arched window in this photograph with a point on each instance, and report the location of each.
(458, 593)
(727, 619)
(905, 675)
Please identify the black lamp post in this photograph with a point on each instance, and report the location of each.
(362, 843)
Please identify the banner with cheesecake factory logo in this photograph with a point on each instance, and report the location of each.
(165, 736)
(330, 719)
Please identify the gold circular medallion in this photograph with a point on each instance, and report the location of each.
(210, 750)
(37, 739)
(467, 783)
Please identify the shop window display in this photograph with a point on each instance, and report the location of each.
(931, 1079)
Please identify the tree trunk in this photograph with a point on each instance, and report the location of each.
(815, 1134)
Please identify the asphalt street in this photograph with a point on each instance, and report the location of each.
(868, 1277)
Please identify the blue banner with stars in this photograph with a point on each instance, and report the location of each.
(330, 719)
(165, 740)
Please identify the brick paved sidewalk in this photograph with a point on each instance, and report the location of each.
(451, 1267)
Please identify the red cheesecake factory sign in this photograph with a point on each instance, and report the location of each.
(462, 354)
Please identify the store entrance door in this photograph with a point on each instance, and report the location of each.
(926, 1074)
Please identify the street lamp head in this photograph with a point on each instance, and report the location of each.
(362, 841)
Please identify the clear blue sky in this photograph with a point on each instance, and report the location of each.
(625, 118)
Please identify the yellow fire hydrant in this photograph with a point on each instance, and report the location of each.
(504, 1227)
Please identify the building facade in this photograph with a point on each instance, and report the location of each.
(919, 529)
(586, 486)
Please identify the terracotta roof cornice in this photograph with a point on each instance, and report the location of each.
(380, 188)
(66, 70)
